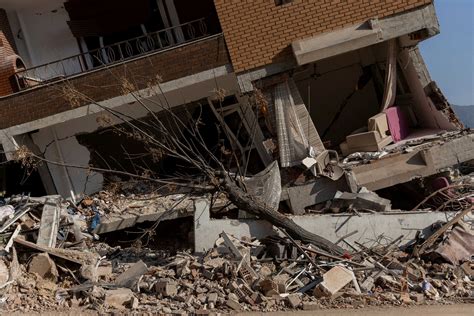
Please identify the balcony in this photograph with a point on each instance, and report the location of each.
(116, 53)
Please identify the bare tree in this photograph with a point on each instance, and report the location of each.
(164, 133)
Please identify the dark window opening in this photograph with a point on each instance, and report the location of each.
(115, 31)
(15, 179)
(282, 2)
(116, 147)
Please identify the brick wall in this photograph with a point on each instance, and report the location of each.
(258, 32)
(104, 84)
(7, 55)
(5, 28)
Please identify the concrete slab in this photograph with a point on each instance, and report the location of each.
(128, 278)
(122, 221)
(49, 224)
(334, 280)
(311, 193)
(364, 34)
(422, 161)
(372, 228)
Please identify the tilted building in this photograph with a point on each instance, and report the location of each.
(337, 76)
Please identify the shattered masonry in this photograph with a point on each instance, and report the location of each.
(223, 156)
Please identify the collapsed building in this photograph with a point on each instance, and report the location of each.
(354, 81)
(336, 92)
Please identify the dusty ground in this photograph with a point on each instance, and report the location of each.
(425, 310)
(432, 310)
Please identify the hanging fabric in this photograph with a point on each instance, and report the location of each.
(390, 76)
(297, 136)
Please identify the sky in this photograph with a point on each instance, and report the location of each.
(450, 54)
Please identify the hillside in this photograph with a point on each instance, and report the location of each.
(466, 114)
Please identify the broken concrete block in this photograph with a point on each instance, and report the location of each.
(387, 282)
(212, 298)
(294, 300)
(207, 274)
(468, 269)
(269, 288)
(265, 272)
(166, 288)
(119, 298)
(405, 298)
(131, 276)
(49, 224)
(6, 212)
(311, 306)
(363, 200)
(243, 291)
(89, 272)
(233, 305)
(415, 273)
(333, 281)
(133, 304)
(370, 141)
(46, 287)
(42, 265)
(368, 284)
(4, 273)
(313, 192)
(417, 297)
(104, 271)
(233, 296)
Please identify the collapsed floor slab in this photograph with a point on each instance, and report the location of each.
(370, 228)
(119, 222)
(418, 161)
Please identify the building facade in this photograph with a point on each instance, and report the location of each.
(340, 63)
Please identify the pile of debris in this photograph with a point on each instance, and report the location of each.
(52, 261)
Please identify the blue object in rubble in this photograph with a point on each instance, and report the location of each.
(95, 220)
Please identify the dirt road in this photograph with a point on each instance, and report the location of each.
(433, 310)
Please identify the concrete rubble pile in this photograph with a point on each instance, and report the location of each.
(51, 259)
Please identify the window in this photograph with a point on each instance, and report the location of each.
(282, 2)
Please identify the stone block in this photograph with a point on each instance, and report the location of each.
(131, 276)
(166, 288)
(333, 281)
(294, 300)
(44, 266)
(233, 305)
(118, 298)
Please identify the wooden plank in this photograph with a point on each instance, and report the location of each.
(48, 250)
(419, 249)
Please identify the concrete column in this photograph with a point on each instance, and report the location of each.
(175, 20)
(64, 150)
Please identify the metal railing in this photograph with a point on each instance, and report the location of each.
(112, 54)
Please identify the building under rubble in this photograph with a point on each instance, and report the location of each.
(334, 79)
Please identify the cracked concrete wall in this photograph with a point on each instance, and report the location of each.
(371, 228)
(326, 84)
(60, 146)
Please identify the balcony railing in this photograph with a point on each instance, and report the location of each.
(112, 54)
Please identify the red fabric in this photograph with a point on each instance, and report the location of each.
(398, 123)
